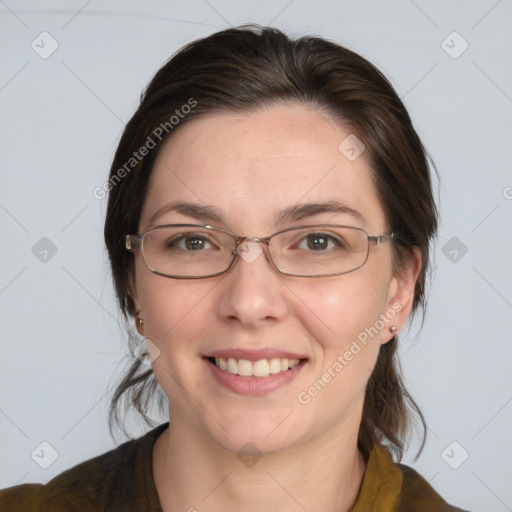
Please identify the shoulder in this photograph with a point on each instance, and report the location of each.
(389, 486)
(418, 495)
(103, 483)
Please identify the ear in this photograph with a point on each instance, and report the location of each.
(132, 291)
(401, 295)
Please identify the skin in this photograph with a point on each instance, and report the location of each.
(250, 166)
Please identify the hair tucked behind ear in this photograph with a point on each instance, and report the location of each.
(250, 67)
(385, 412)
(137, 389)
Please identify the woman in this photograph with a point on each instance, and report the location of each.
(269, 220)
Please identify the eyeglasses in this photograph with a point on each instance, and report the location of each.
(190, 251)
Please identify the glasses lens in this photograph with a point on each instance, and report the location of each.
(319, 250)
(183, 251)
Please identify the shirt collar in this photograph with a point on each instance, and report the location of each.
(382, 483)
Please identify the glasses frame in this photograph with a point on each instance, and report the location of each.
(136, 243)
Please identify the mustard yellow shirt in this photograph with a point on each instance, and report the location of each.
(121, 480)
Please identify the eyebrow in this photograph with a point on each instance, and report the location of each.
(291, 214)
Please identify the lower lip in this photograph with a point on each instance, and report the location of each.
(254, 385)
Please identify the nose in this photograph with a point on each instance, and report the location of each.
(253, 292)
(249, 250)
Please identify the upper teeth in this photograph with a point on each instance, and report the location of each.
(261, 368)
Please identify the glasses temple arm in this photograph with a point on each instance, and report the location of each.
(382, 238)
(132, 242)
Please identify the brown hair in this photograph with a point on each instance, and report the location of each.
(250, 67)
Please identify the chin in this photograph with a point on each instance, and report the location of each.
(263, 431)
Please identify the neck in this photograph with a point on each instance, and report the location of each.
(193, 473)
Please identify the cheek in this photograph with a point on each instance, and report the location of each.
(335, 312)
(173, 310)
(175, 314)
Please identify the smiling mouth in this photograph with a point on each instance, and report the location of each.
(261, 368)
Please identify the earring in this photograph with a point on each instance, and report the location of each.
(140, 321)
(393, 329)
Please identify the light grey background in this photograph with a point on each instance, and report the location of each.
(61, 117)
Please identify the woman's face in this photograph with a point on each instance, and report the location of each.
(250, 167)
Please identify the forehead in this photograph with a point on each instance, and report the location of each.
(252, 165)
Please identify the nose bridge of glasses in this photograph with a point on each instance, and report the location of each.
(250, 248)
